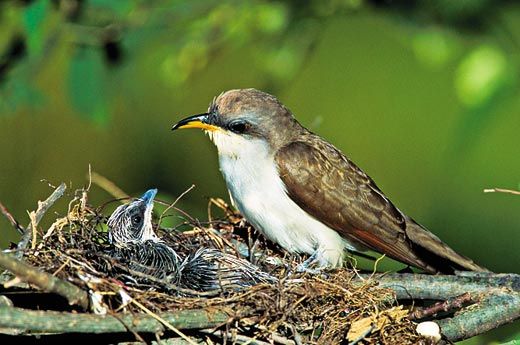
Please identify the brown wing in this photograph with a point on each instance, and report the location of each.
(323, 182)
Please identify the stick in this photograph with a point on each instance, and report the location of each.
(446, 306)
(173, 204)
(45, 281)
(11, 219)
(502, 190)
(164, 322)
(43, 207)
(64, 322)
(108, 186)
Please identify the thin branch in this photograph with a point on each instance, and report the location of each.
(65, 322)
(11, 219)
(502, 190)
(43, 207)
(107, 185)
(173, 204)
(163, 321)
(45, 281)
(443, 307)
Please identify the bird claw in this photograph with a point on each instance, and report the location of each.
(318, 271)
(305, 267)
(302, 268)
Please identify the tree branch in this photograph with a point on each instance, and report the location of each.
(442, 287)
(11, 219)
(493, 311)
(496, 298)
(64, 322)
(45, 281)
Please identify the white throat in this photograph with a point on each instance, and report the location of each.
(256, 189)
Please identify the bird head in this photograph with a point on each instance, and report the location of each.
(240, 118)
(132, 222)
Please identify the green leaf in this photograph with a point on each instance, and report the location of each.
(272, 17)
(484, 81)
(433, 47)
(33, 17)
(481, 75)
(86, 85)
(16, 93)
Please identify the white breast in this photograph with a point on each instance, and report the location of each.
(259, 194)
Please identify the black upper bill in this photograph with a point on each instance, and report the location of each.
(195, 121)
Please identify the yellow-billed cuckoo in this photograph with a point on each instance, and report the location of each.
(304, 194)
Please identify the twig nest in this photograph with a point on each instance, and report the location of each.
(430, 330)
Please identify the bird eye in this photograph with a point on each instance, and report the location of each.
(136, 220)
(239, 127)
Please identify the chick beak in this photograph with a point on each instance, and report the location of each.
(149, 196)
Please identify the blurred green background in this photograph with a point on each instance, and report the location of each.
(422, 95)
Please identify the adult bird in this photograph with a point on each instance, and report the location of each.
(304, 194)
(205, 269)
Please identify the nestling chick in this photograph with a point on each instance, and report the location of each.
(135, 242)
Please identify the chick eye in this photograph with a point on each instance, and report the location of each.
(239, 127)
(136, 220)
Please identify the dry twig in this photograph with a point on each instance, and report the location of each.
(45, 281)
(442, 307)
(501, 190)
(11, 219)
(43, 206)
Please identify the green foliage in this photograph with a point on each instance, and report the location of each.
(282, 36)
(34, 17)
(87, 85)
(194, 33)
(481, 75)
(17, 92)
(434, 47)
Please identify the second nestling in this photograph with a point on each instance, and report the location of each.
(137, 246)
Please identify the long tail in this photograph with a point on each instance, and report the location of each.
(435, 253)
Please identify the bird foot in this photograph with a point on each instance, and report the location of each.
(305, 267)
(301, 268)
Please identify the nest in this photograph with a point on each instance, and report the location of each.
(335, 307)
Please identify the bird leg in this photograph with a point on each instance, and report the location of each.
(304, 267)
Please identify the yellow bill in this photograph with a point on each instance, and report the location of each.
(196, 121)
